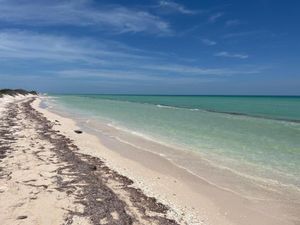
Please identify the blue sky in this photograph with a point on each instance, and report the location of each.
(151, 47)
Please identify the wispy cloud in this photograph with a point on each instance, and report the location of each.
(108, 74)
(231, 23)
(176, 7)
(81, 13)
(198, 71)
(213, 18)
(208, 42)
(73, 57)
(231, 55)
(15, 44)
(156, 72)
(244, 33)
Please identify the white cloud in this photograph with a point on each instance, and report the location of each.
(81, 13)
(208, 42)
(175, 7)
(232, 55)
(213, 18)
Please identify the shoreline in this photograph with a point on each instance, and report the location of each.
(117, 162)
(41, 167)
(253, 152)
(88, 180)
(194, 196)
(162, 149)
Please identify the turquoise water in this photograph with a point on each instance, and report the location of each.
(257, 136)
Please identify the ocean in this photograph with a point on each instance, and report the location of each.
(253, 141)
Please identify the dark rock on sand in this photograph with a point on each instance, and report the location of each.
(93, 167)
(21, 217)
(78, 131)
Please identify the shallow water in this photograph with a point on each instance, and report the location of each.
(255, 139)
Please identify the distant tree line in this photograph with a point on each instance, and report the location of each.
(14, 92)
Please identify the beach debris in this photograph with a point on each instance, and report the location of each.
(22, 217)
(93, 167)
(78, 131)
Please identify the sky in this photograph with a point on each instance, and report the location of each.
(208, 47)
